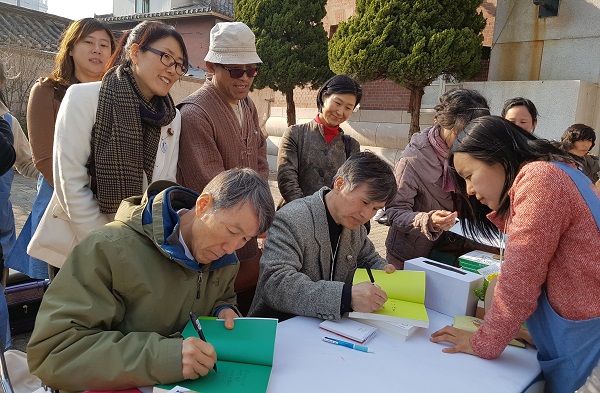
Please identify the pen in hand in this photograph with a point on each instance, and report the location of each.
(370, 274)
(198, 327)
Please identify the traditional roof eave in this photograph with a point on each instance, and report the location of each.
(172, 14)
(22, 27)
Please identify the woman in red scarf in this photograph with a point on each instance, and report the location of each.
(311, 153)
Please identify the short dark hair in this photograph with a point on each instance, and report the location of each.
(493, 139)
(458, 106)
(577, 132)
(339, 84)
(520, 101)
(367, 168)
(144, 34)
(239, 185)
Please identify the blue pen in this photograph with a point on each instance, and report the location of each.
(346, 344)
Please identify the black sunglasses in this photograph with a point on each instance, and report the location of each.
(168, 60)
(237, 73)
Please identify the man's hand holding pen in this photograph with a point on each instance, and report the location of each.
(198, 357)
(368, 296)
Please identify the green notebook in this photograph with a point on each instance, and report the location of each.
(406, 297)
(245, 355)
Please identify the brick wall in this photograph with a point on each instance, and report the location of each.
(384, 95)
(488, 7)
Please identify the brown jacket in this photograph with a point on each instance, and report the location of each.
(212, 140)
(306, 163)
(419, 177)
(42, 108)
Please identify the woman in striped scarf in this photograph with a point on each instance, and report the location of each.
(114, 137)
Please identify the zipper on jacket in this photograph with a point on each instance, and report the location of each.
(198, 285)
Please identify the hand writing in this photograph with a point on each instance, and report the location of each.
(197, 357)
(367, 297)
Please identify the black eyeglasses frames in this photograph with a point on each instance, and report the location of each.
(168, 60)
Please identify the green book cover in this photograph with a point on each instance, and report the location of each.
(406, 297)
(244, 355)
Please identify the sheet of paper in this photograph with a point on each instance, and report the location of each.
(458, 229)
(232, 377)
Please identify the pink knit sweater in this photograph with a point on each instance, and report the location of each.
(553, 242)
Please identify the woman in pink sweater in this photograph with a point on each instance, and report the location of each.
(551, 273)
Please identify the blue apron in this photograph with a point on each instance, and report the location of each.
(568, 350)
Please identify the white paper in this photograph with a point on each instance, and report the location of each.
(458, 229)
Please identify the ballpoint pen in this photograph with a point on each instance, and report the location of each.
(198, 327)
(370, 274)
(346, 344)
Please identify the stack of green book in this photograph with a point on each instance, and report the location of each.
(475, 260)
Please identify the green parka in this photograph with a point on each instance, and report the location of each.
(112, 318)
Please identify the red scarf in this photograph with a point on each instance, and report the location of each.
(329, 132)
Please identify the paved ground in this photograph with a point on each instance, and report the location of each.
(23, 194)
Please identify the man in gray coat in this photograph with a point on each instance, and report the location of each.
(316, 243)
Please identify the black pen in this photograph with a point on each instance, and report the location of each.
(198, 327)
(370, 273)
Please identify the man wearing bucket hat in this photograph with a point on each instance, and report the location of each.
(220, 129)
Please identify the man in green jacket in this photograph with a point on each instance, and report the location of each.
(112, 318)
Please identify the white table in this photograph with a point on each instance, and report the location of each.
(304, 363)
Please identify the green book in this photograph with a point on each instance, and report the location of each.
(406, 297)
(244, 355)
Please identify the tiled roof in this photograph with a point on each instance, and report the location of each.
(30, 29)
(223, 7)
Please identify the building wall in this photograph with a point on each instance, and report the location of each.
(36, 5)
(123, 7)
(195, 31)
(196, 35)
(564, 47)
(127, 7)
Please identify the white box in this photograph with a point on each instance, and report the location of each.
(448, 289)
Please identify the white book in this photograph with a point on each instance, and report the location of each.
(348, 328)
(396, 329)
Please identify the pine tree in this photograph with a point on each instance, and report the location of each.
(411, 42)
(291, 42)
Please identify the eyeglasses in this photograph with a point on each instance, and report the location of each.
(168, 60)
(237, 73)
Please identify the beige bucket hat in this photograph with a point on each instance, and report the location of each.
(232, 43)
